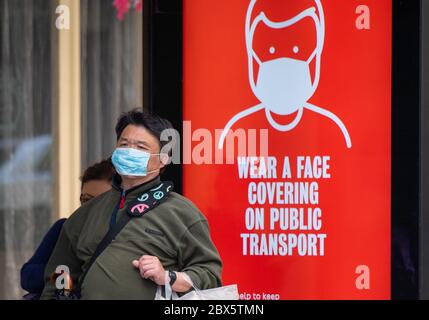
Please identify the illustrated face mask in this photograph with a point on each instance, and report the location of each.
(131, 162)
(284, 84)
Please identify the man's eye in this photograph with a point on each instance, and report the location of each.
(88, 198)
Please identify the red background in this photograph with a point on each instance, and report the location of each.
(355, 84)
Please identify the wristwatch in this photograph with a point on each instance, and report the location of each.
(173, 277)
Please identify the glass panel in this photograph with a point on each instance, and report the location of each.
(112, 69)
(25, 135)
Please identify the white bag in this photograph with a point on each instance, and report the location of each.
(222, 293)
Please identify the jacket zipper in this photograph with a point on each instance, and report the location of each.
(120, 205)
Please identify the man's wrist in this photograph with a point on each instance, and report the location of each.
(172, 277)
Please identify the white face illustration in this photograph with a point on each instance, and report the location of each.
(283, 85)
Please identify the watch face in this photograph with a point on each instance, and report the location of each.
(172, 276)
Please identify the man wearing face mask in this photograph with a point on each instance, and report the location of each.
(284, 81)
(162, 235)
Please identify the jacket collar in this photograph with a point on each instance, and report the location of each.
(117, 181)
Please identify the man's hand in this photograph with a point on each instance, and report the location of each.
(151, 268)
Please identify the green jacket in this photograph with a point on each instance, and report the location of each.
(175, 231)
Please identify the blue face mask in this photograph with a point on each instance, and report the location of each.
(131, 162)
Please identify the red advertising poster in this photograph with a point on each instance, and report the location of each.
(287, 147)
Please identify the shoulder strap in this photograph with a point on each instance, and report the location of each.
(144, 203)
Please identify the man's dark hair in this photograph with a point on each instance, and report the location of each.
(153, 123)
(103, 170)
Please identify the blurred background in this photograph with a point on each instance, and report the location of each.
(66, 73)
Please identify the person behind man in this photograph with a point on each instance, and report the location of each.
(96, 180)
(173, 235)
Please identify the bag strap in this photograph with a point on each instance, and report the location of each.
(144, 203)
(105, 242)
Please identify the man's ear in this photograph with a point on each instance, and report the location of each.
(164, 159)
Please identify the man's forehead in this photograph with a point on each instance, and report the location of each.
(134, 133)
